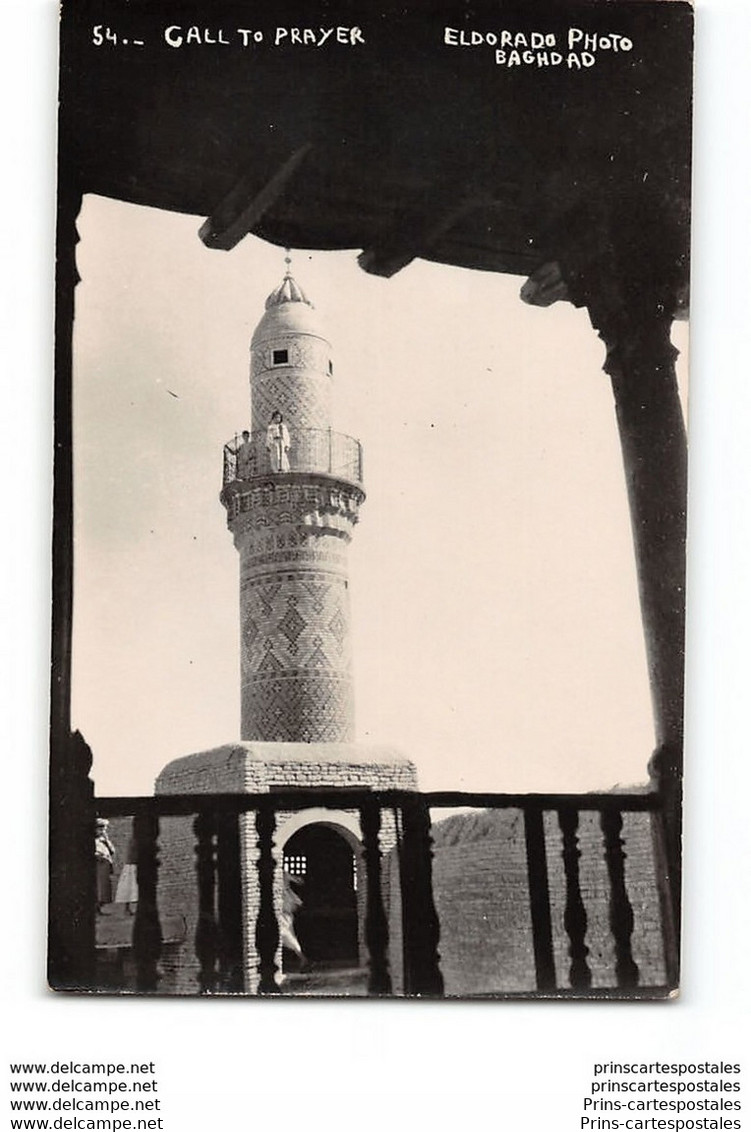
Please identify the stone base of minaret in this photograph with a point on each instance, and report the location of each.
(256, 767)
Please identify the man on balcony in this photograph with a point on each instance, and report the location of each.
(244, 456)
(277, 443)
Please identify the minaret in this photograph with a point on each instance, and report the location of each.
(292, 491)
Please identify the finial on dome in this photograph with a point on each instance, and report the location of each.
(288, 291)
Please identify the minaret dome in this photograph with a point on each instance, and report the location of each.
(291, 367)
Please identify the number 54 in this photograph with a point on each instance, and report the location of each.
(102, 34)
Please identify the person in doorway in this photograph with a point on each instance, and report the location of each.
(291, 901)
(277, 443)
(244, 454)
(104, 852)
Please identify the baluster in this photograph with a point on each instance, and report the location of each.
(575, 915)
(539, 899)
(230, 904)
(207, 943)
(147, 931)
(376, 924)
(267, 927)
(422, 974)
(621, 912)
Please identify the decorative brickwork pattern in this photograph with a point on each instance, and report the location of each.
(298, 708)
(296, 664)
(296, 657)
(304, 402)
(304, 351)
(301, 617)
(290, 373)
(307, 500)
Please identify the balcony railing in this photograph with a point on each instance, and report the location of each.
(561, 959)
(317, 450)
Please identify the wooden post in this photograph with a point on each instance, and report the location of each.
(376, 925)
(539, 898)
(421, 929)
(147, 932)
(230, 904)
(641, 364)
(71, 954)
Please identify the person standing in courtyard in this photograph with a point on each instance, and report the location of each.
(104, 852)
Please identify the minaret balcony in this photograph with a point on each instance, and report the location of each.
(314, 451)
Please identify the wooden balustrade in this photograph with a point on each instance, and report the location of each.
(219, 935)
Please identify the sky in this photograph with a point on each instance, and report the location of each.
(496, 632)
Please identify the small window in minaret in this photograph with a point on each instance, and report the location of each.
(280, 357)
(331, 367)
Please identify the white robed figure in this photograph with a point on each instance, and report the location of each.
(291, 901)
(277, 443)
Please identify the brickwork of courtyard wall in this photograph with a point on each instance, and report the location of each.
(481, 896)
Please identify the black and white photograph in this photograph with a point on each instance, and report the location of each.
(375, 683)
(370, 499)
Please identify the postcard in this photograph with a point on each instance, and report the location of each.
(370, 499)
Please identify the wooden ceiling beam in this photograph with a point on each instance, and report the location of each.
(244, 207)
(415, 231)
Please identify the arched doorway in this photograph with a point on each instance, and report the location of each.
(323, 867)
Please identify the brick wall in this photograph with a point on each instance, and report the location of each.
(482, 900)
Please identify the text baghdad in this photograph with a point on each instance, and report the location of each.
(578, 49)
